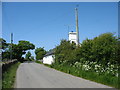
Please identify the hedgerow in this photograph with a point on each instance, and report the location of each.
(99, 56)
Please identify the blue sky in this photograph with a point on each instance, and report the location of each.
(45, 24)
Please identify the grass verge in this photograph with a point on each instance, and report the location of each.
(38, 62)
(105, 79)
(8, 77)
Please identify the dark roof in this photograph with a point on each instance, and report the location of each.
(51, 52)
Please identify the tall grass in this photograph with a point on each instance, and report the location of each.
(105, 78)
(8, 77)
(38, 62)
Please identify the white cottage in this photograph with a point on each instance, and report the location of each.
(49, 58)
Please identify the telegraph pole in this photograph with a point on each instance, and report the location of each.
(77, 29)
(11, 46)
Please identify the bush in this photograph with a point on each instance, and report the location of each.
(98, 57)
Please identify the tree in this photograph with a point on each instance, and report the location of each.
(28, 55)
(104, 48)
(64, 53)
(4, 51)
(101, 49)
(25, 45)
(40, 52)
(3, 43)
(17, 49)
(84, 52)
(32, 58)
(21, 48)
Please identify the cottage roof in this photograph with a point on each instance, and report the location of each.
(51, 52)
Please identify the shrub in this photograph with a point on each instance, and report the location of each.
(98, 57)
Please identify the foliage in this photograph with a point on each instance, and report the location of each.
(5, 55)
(28, 55)
(38, 62)
(40, 52)
(21, 48)
(64, 53)
(4, 48)
(25, 45)
(17, 49)
(99, 56)
(105, 78)
(3, 43)
(105, 48)
(17, 52)
(98, 68)
(32, 58)
(8, 77)
(102, 49)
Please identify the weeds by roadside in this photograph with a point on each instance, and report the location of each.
(105, 78)
(8, 77)
(38, 62)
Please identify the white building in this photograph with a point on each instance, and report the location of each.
(48, 58)
(73, 37)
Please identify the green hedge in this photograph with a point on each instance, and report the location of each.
(94, 59)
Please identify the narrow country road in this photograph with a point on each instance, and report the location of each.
(33, 75)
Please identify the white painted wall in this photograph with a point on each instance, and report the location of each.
(73, 37)
(48, 59)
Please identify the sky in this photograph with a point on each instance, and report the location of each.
(45, 24)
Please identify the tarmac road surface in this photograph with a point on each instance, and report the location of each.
(33, 75)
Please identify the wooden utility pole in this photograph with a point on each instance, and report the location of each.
(11, 46)
(77, 29)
